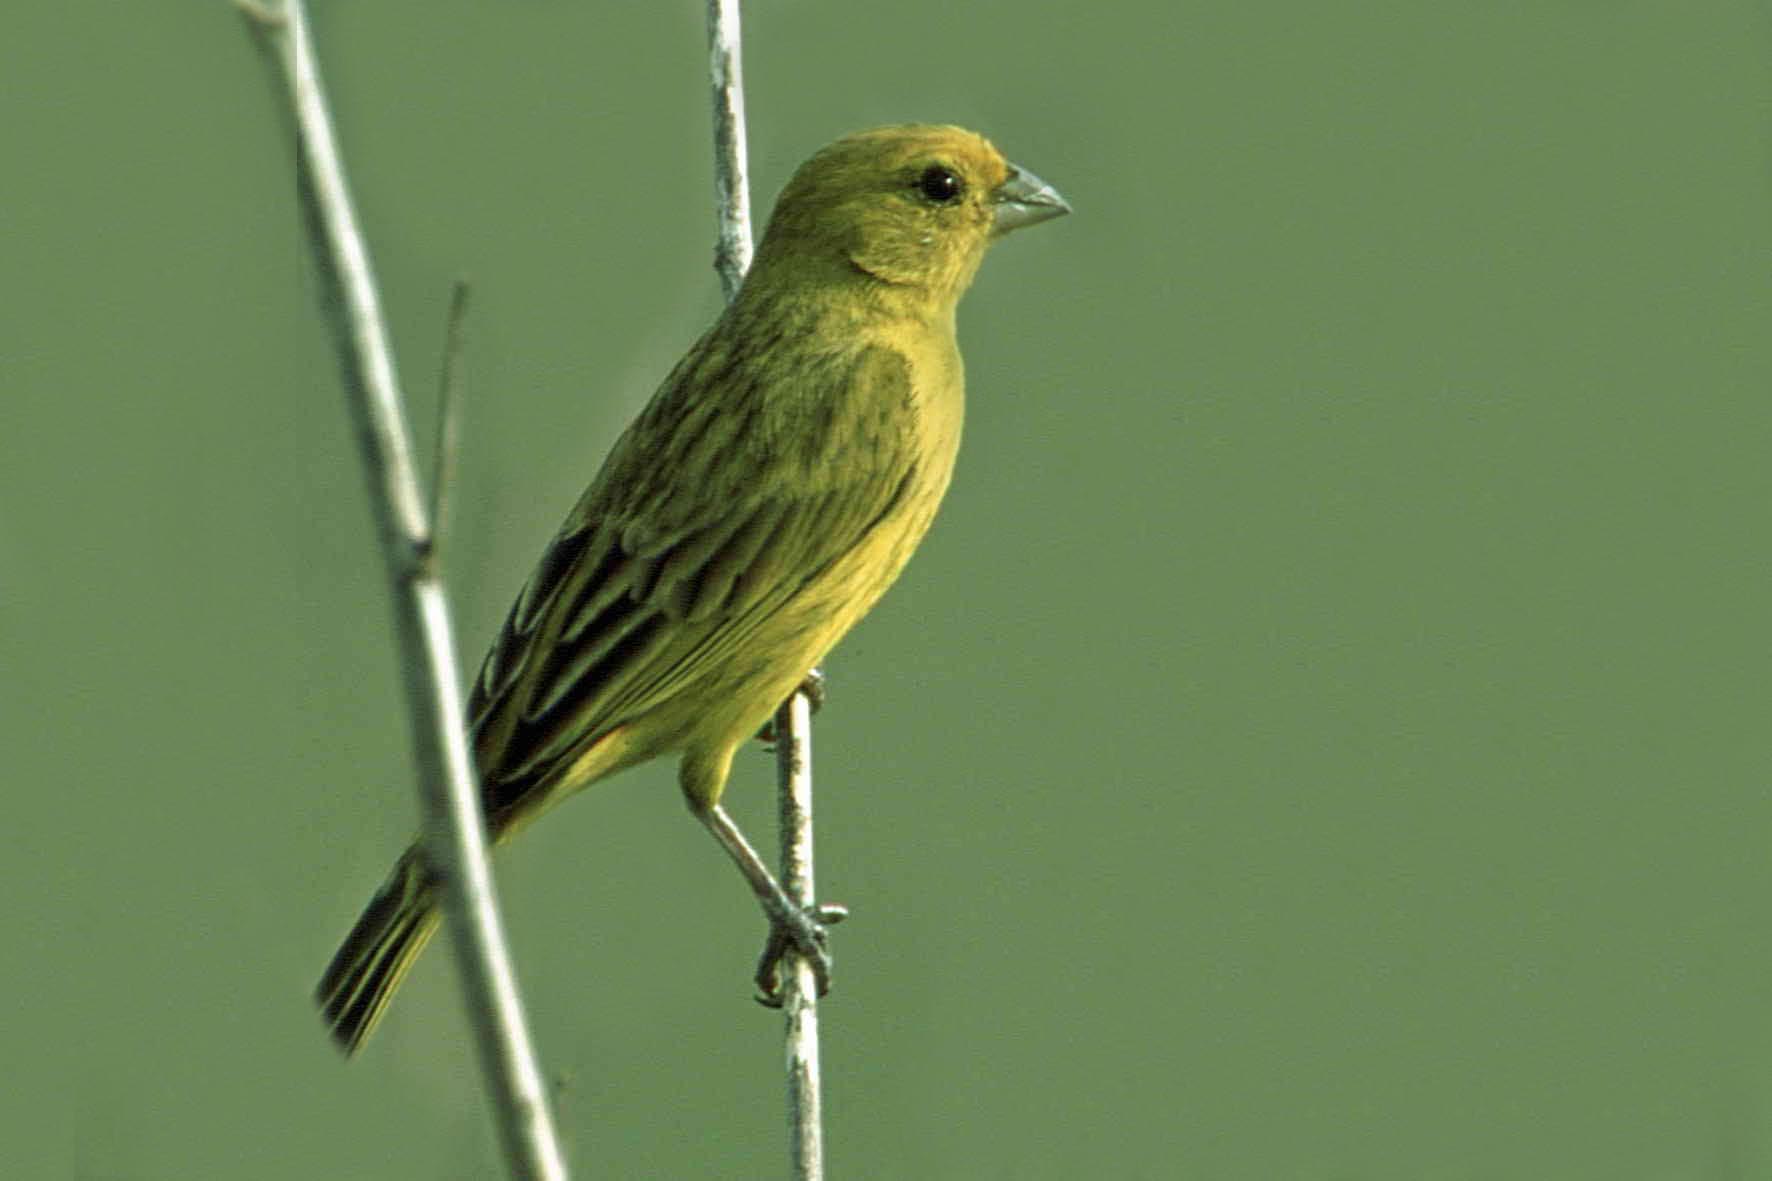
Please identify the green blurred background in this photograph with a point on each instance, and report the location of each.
(1324, 737)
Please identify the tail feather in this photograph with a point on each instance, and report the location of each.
(395, 926)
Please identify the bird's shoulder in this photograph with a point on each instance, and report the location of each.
(736, 483)
(765, 414)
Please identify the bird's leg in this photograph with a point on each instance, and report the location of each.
(814, 688)
(790, 925)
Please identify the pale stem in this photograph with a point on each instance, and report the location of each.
(455, 835)
(793, 722)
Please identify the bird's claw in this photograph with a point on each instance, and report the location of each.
(805, 933)
(814, 689)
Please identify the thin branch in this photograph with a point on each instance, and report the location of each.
(732, 188)
(448, 419)
(799, 1003)
(455, 834)
(793, 722)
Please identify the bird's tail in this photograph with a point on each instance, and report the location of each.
(395, 926)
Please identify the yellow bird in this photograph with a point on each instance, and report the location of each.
(760, 504)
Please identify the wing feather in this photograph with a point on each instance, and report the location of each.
(667, 567)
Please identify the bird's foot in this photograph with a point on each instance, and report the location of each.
(805, 933)
(814, 688)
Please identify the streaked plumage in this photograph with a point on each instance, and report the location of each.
(759, 505)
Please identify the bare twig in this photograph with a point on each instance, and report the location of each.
(799, 1005)
(732, 189)
(455, 834)
(793, 722)
(448, 419)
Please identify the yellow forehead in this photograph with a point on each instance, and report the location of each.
(866, 158)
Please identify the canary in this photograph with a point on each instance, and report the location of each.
(760, 504)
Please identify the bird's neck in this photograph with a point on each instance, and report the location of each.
(853, 308)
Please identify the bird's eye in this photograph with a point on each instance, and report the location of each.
(940, 184)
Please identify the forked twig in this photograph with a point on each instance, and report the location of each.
(448, 421)
(455, 835)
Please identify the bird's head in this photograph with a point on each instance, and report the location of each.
(909, 207)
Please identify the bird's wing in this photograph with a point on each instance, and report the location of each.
(708, 516)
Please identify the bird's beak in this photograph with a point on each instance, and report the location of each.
(1024, 200)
